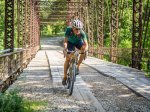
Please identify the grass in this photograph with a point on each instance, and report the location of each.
(37, 105)
(12, 102)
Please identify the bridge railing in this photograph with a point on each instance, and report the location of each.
(13, 63)
(123, 54)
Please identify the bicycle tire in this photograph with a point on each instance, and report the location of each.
(68, 81)
(72, 79)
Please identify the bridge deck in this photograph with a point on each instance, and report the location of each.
(93, 92)
(132, 78)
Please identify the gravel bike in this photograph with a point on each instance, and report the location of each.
(71, 72)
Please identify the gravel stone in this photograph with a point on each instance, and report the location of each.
(114, 96)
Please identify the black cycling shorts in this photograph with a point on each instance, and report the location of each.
(71, 46)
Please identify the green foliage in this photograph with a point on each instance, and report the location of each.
(55, 29)
(37, 105)
(12, 102)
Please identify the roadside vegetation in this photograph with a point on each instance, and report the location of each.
(13, 102)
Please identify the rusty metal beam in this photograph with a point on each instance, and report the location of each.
(19, 12)
(58, 16)
(52, 19)
(137, 34)
(100, 25)
(56, 12)
(28, 24)
(50, 22)
(114, 29)
(55, 9)
(49, 3)
(24, 20)
(58, 7)
(9, 24)
(90, 26)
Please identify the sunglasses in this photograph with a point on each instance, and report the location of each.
(77, 28)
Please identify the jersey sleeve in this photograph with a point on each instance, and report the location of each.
(68, 29)
(84, 35)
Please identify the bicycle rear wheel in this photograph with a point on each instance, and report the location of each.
(72, 79)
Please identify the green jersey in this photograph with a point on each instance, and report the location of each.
(74, 38)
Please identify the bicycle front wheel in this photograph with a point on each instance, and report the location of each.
(72, 79)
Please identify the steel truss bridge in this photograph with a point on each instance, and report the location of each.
(33, 13)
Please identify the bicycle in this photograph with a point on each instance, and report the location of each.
(71, 72)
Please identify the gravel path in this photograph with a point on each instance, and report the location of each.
(113, 95)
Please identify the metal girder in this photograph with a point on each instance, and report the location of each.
(49, 22)
(24, 23)
(69, 16)
(137, 34)
(28, 11)
(28, 25)
(32, 24)
(82, 13)
(83, 17)
(55, 4)
(57, 12)
(49, 19)
(90, 26)
(9, 24)
(100, 25)
(55, 9)
(49, 3)
(114, 29)
(20, 31)
(70, 7)
(56, 16)
(52, 19)
(36, 32)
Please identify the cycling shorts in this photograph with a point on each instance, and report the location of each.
(71, 46)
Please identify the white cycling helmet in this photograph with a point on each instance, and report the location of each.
(77, 24)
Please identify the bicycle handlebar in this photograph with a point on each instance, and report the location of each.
(67, 51)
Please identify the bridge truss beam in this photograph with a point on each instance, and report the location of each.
(90, 26)
(137, 34)
(68, 7)
(114, 30)
(9, 24)
(100, 25)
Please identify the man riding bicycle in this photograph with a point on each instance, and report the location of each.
(75, 37)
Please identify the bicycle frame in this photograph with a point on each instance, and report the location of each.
(73, 61)
(71, 73)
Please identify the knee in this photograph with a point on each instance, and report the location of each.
(82, 48)
(67, 59)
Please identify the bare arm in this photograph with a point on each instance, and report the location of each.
(65, 42)
(86, 45)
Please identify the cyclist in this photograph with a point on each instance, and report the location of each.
(75, 37)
